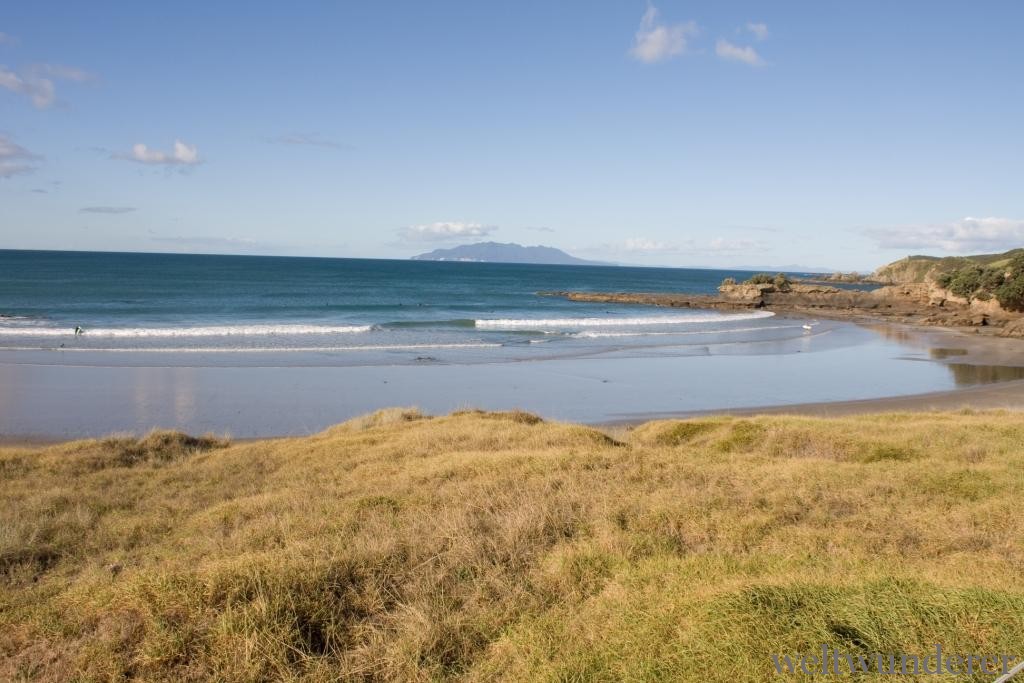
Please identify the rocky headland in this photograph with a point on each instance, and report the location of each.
(920, 303)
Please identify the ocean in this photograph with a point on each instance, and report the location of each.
(348, 311)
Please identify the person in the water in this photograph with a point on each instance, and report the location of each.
(79, 330)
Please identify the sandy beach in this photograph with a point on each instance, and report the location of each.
(841, 368)
(1007, 395)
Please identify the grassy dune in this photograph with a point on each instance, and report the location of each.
(497, 546)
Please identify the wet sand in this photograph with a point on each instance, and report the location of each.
(985, 353)
(849, 369)
(1002, 396)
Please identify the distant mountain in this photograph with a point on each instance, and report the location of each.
(496, 252)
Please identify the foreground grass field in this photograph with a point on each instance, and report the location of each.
(497, 546)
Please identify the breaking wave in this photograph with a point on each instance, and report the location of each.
(172, 332)
(643, 321)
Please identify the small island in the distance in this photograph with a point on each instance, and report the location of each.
(497, 252)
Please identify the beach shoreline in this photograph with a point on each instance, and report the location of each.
(57, 403)
(1006, 396)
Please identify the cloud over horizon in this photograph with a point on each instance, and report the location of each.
(15, 159)
(718, 245)
(308, 140)
(107, 209)
(656, 42)
(208, 241)
(183, 154)
(955, 237)
(444, 231)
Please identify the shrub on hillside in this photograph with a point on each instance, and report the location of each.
(1011, 294)
(992, 279)
(974, 282)
(966, 281)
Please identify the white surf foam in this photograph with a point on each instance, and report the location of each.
(165, 332)
(643, 321)
(589, 334)
(267, 349)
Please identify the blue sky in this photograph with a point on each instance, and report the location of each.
(827, 134)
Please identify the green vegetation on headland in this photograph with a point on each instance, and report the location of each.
(921, 269)
(982, 277)
(1004, 281)
(484, 546)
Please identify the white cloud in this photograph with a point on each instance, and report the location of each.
(311, 140)
(642, 244)
(718, 245)
(442, 231)
(747, 55)
(39, 90)
(36, 82)
(721, 245)
(107, 209)
(758, 30)
(15, 159)
(183, 154)
(62, 72)
(656, 42)
(956, 237)
(211, 242)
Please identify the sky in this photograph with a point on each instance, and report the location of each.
(824, 134)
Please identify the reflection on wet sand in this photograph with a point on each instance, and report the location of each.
(899, 335)
(941, 354)
(983, 360)
(966, 375)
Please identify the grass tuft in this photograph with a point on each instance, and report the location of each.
(380, 418)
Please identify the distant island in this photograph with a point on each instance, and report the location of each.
(496, 252)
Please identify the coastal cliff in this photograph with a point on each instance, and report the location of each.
(923, 269)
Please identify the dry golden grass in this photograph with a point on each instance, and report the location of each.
(483, 546)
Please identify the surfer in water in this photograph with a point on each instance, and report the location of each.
(79, 330)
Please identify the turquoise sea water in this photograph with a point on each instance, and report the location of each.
(262, 346)
(357, 311)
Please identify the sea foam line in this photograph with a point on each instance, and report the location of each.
(261, 349)
(524, 323)
(212, 331)
(638, 333)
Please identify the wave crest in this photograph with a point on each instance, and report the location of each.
(165, 332)
(539, 324)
